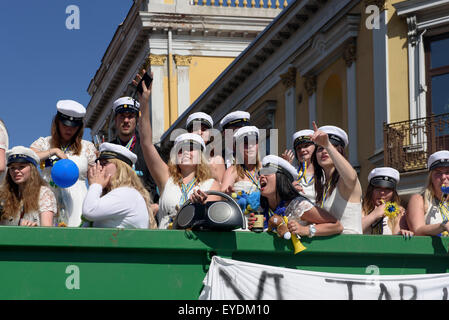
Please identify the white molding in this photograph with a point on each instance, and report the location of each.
(183, 88)
(290, 115)
(327, 47)
(380, 70)
(312, 109)
(157, 103)
(351, 85)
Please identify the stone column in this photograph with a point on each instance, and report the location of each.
(157, 107)
(350, 55)
(182, 67)
(310, 87)
(289, 81)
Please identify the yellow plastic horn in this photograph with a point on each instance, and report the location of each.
(297, 244)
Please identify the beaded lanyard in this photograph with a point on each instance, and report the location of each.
(325, 194)
(131, 143)
(185, 189)
(444, 211)
(253, 178)
(302, 173)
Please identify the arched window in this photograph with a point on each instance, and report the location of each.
(331, 111)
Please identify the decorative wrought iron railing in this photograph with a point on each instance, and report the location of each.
(262, 4)
(408, 144)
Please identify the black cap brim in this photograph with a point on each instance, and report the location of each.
(383, 184)
(439, 164)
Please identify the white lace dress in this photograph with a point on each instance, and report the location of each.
(70, 200)
(47, 202)
(3, 145)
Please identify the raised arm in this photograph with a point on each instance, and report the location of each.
(349, 184)
(157, 167)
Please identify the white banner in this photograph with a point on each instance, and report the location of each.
(231, 279)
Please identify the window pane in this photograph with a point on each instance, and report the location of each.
(439, 53)
(440, 94)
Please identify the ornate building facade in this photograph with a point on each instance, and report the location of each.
(187, 44)
(377, 69)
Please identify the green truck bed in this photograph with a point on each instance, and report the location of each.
(72, 263)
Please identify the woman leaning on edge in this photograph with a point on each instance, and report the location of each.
(428, 212)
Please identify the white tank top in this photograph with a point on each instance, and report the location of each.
(308, 186)
(348, 213)
(170, 198)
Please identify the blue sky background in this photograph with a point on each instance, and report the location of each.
(41, 61)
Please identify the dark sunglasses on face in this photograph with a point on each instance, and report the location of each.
(188, 147)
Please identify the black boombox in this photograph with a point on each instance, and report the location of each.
(213, 216)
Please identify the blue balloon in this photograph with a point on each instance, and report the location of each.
(64, 173)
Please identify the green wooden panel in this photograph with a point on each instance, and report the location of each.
(46, 263)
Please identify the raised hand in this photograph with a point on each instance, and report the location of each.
(97, 174)
(288, 155)
(146, 90)
(319, 137)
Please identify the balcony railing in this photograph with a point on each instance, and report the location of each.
(408, 144)
(267, 4)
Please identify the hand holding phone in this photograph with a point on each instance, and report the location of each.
(148, 79)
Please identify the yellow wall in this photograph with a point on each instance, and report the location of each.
(398, 65)
(203, 71)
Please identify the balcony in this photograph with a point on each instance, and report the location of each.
(408, 144)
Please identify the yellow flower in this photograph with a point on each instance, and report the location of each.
(391, 209)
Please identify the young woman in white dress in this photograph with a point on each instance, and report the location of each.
(66, 142)
(26, 199)
(428, 212)
(337, 186)
(186, 171)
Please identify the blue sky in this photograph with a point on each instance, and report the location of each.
(41, 61)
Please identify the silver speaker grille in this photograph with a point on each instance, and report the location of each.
(220, 212)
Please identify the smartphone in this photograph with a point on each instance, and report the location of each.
(148, 79)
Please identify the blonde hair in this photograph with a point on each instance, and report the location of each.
(202, 171)
(241, 168)
(125, 176)
(428, 193)
(13, 200)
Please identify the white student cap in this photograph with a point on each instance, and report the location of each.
(70, 112)
(438, 159)
(125, 104)
(246, 131)
(115, 151)
(240, 118)
(22, 154)
(272, 164)
(336, 135)
(187, 138)
(384, 177)
(302, 136)
(201, 117)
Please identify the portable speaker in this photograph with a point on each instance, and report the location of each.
(214, 215)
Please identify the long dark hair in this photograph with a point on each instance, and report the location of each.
(319, 176)
(284, 191)
(75, 143)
